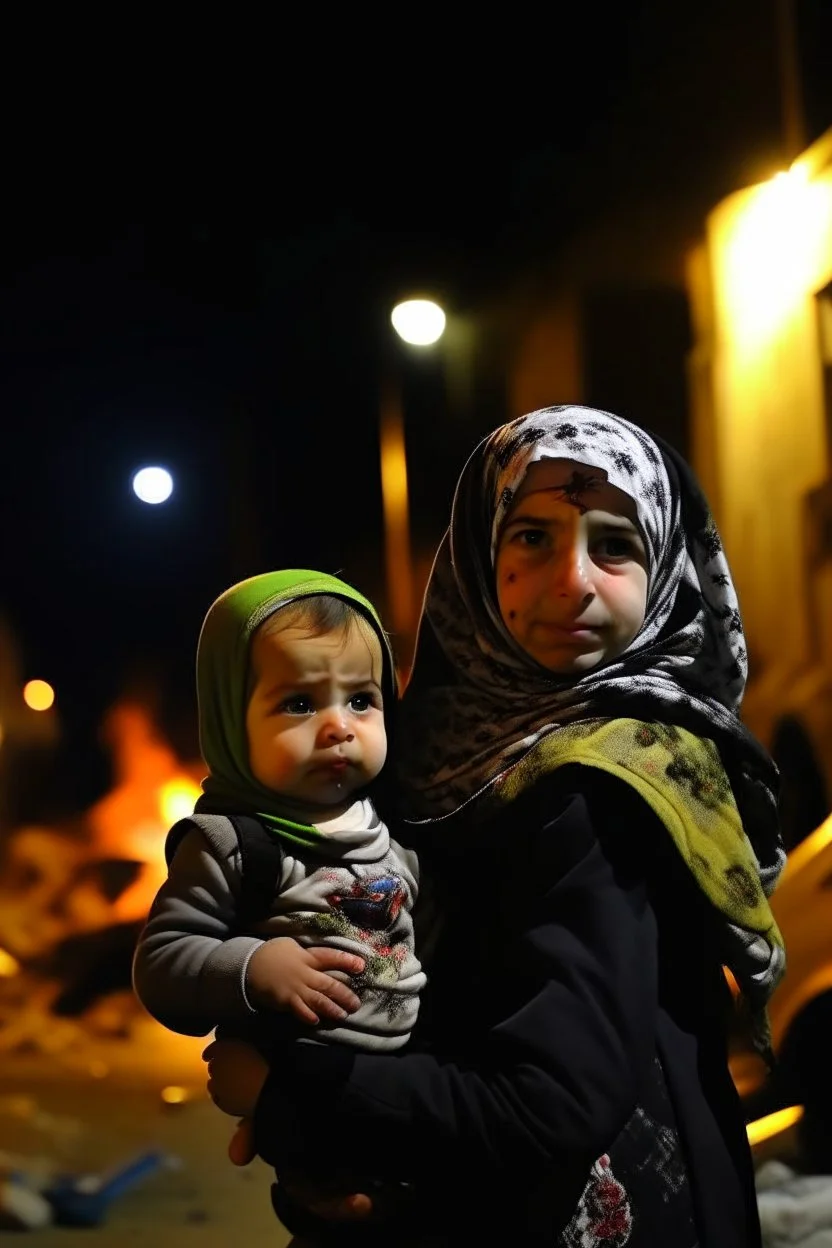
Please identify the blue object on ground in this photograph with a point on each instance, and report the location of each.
(83, 1199)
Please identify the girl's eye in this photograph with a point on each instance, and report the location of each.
(298, 705)
(529, 537)
(617, 548)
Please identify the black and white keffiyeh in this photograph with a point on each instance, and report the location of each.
(476, 702)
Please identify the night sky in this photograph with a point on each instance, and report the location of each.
(205, 286)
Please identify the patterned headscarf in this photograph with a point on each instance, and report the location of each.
(477, 703)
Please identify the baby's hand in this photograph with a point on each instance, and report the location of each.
(284, 975)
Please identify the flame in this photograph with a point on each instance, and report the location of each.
(47, 896)
(177, 797)
(153, 790)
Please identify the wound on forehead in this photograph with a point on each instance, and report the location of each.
(579, 483)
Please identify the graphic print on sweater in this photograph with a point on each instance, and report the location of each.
(364, 910)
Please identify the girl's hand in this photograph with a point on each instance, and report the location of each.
(284, 975)
(324, 1202)
(236, 1074)
(241, 1151)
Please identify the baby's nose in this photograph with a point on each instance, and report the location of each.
(336, 726)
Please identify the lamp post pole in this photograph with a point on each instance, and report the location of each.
(398, 559)
(419, 322)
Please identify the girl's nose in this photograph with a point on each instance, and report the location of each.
(573, 572)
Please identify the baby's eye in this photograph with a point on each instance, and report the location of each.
(360, 702)
(298, 704)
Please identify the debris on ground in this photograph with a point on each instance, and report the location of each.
(32, 1197)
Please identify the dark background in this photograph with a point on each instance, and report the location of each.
(204, 231)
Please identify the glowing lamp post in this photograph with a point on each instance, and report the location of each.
(420, 323)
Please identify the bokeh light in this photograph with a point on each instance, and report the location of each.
(38, 695)
(173, 1095)
(773, 1124)
(8, 965)
(153, 485)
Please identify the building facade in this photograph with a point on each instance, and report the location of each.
(760, 438)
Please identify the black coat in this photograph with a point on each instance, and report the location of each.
(576, 1010)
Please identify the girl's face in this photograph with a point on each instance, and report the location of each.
(571, 568)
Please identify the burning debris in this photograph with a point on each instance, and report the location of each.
(73, 897)
(88, 1076)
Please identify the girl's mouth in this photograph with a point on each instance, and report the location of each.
(578, 632)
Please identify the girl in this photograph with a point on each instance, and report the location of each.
(600, 834)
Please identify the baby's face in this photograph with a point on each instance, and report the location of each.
(571, 568)
(315, 719)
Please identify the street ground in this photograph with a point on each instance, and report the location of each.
(96, 1102)
(86, 1099)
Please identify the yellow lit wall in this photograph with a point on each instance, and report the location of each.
(546, 367)
(759, 429)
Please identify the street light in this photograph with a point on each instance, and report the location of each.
(152, 485)
(420, 323)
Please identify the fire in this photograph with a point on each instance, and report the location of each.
(51, 886)
(153, 789)
(177, 797)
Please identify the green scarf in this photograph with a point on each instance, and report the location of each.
(681, 778)
(222, 672)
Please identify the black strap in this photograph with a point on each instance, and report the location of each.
(174, 838)
(262, 862)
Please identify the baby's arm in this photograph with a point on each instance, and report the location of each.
(193, 972)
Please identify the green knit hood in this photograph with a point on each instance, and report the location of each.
(222, 668)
